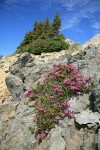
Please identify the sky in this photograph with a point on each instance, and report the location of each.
(80, 19)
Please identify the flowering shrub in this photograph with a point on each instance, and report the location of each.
(52, 97)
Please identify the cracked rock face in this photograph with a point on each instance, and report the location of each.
(15, 86)
(96, 94)
(86, 117)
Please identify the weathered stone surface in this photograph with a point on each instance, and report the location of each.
(69, 137)
(17, 135)
(15, 86)
(79, 103)
(7, 113)
(56, 141)
(5, 62)
(86, 117)
(91, 51)
(98, 139)
(94, 41)
(20, 63)
(96, 93)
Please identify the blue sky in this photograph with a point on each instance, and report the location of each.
(80, 19)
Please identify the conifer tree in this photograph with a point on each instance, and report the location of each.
(56, 24)
(35, 26)
(46, 26)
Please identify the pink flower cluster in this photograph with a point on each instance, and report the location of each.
(58, 74)
(27, 93)
(69, 112)
(76, 82)
(52, 97)
(42, 109)
(65, 104)
(41, 135)
(65, 113)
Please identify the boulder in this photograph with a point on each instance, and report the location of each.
(91, 50)
(15, 86)
(79, 103)
(98, 139)
(20, 63)
(87, 117)
(96, 94)
(15, 134)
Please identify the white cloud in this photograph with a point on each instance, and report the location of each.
(96, 25)
(10, 1)
(71, 4)
(86, 11)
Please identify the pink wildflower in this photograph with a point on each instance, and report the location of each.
(66, 111)
(47, 131)
(66, 81)
(26, 93)
(70, 113)
(78, 93)
(57, 117)
(41, 135)
(63, 114)
(57, 74)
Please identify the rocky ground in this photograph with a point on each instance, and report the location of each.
(82, 132)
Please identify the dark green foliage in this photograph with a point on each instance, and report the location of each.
(56, 24)
(45, 37)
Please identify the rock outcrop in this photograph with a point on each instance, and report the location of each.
(5, 95)
(93, 41)
(82, 132)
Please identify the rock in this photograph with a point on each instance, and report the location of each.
(74, 49)
(18, 135)
(6, 110)
(91, 51)
(30, 63)
(94, 41)
(31, 104)
(56, 141)
(98, 139)
(11, 115)
(15, 86)
(20, 63)
(86, 117)
(79, 103)
(5, 95)
(96, 94)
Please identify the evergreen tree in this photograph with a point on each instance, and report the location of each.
(38, 29)
(56, 24)
(45, 37)
(47, 26)
(35, 26)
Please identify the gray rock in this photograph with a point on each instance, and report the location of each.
(91, 50)
(30, 63)
(6, 111)
(86, 117)
(20, 63)
(15, 86)
(16, 134)
(98, 139)
(56, 141)
(79, 103)
(96, 93)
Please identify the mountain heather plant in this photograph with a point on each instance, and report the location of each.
(52, 97)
